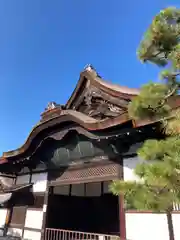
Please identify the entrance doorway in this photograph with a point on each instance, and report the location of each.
(85, 208)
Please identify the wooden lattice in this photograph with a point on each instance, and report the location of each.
(89, 174)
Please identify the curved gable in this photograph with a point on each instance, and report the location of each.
(71, 148)
(99, 99)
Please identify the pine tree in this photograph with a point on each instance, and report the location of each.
(159, 173)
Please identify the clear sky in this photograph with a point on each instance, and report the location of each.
(44, 44)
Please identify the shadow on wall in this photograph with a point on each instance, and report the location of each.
(12, 235)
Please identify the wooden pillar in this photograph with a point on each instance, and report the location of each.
(9, 214)
(45, 206)
(46, 196)
(8, 219)
(122, 219)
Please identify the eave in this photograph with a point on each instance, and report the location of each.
(81, 119)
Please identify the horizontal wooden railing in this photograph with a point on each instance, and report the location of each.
(60, 234)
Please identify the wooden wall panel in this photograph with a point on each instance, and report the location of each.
(23, 179)
(38, 202)
(18, 216)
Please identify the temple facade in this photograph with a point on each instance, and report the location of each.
(55, 186)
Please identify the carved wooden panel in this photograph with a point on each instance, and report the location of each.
(73, 148)
(89, 174)
(100, 105)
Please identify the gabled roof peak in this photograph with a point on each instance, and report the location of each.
(89, 67)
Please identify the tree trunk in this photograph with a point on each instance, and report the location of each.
(170, 225)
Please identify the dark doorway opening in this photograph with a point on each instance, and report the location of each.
(94, 214)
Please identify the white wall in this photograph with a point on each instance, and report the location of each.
(176, 221)
(3, 213)
(40, 182)
(129, 165)
(146, 226)
(34, 219)
(31, 235)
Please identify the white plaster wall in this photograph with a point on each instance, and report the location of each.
(34, 219)
(3, 213)
(146, 226)
(15, 232)
(176, 221)
(23, 179)
(40, 182)
(129, 165)
(31, 235)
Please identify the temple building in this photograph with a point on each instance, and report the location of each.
(55, 186)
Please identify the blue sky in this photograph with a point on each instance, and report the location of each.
(45, 44)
